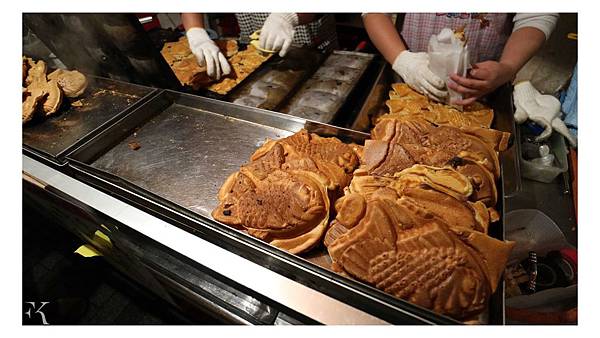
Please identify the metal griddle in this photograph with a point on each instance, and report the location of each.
(186, 153)
(303, 60)
(103, 101)
(353, 85)
(188, 146)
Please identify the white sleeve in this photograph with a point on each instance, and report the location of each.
(542, 21)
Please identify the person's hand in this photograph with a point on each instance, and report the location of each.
(414, 70)
(541, 109)
(484, 78)
(207, 53)
(278, 31)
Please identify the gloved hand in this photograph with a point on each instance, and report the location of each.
(541, 109)
(278, 31)
(414, 70)
(207, 53)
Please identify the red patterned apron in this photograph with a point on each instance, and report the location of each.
(486, 33)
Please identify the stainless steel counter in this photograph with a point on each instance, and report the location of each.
(167, 241)
(86, 210)
(149, 242)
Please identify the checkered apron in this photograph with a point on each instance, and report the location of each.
(319, 33)
(486, 33)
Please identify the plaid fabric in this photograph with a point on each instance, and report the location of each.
(320, 32)
(486, 33)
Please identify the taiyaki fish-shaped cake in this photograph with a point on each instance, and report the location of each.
(396, 145)
(327, 156)
(384, 158)
(390, 233)
(442, 192)
(283, 194)
(476, 144)
(406, 104)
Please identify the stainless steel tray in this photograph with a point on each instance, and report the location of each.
(189, 145)
(302, 62)
(186, 153)
(186, 150)
(104, 101)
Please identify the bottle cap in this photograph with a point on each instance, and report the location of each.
(544, 150)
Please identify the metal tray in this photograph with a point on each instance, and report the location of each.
(104, 101)
(504, 119)
(331, 116)
(189, 145)
(302, 60)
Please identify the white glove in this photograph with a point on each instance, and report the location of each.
(541, 109)
(414, 70)
(278, 31)
(207, 53)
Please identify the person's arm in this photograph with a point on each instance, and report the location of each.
(278, 30)
(520, 47)
(384, 35)
(529, 34)
(412, 67)
(191, 20)
(207, 53)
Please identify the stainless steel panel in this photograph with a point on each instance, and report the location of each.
(186, 154)
(276, 287)
(189, 145)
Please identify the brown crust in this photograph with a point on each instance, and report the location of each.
(406, 104)
(32, 103)
(54, 98)
(25, 69)
(36, 73)
(418, 243)
(282, 195)
(71, 82)
(427, 265)
(189, 73)
(445, 141)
